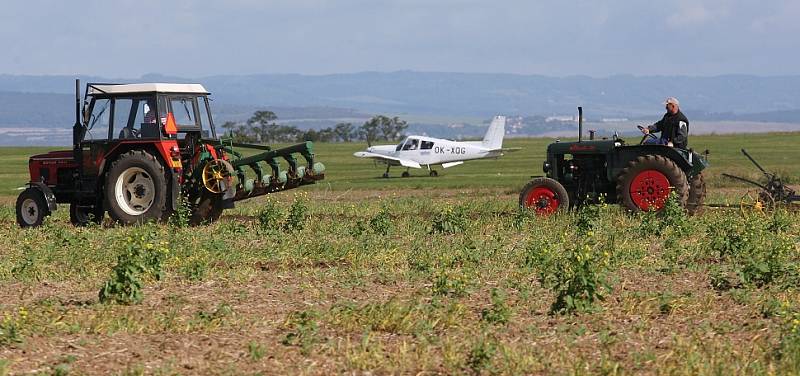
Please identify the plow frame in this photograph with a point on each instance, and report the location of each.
(270, 178)
(774, 191)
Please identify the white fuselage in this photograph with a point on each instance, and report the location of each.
(433, 151)
(418, 151)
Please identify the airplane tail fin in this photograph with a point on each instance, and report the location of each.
(494, 136)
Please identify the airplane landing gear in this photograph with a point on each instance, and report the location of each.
(406, 174)
(433, 173)
(386, 174)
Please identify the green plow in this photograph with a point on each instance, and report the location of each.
(267, 175)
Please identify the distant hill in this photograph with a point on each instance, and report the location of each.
(475, 94)
(439, 104)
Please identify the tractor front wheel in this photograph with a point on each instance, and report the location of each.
(646, 182)
(545, 196)
(31, 208)
(136, 188)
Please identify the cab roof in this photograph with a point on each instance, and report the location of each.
(101, 89)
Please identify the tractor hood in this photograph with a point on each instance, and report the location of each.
(583, 147)
(54, 156)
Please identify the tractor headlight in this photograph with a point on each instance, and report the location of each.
(546, 167)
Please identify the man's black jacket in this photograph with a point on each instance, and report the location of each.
(674, 128)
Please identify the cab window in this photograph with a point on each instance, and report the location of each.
(99, 120)
(426, 145)
(184, 111)
(135, 118)
(205, 120)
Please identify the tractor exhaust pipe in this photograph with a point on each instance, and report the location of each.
(580, 123)
(77, 128)
(78, 101)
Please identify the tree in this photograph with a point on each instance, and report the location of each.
(263, 124)
(344, 132)
(369, 130)
(382, 127)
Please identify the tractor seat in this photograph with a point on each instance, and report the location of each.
(126, 133)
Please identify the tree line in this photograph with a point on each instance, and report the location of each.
(262, 127)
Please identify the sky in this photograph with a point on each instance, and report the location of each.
(126, 39)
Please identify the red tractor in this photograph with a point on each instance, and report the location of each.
(138, 149)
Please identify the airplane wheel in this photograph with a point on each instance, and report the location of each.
(405, 174)
(385, 175)
(433, 173)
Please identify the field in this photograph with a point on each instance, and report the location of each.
(417, 275)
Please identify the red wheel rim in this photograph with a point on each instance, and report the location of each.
(650, 190)
(543, 200)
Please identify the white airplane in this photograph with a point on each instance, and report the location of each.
(418, 151)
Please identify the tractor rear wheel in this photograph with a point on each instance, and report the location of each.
(136, 188)
(697, 194)
(646, 182)
(545, 196)
(31, 208)
(208, 209)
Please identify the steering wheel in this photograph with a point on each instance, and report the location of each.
(641, 128)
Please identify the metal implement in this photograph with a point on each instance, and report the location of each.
(773, 192)
(266, 175)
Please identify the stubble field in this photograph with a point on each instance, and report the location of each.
(412, 275)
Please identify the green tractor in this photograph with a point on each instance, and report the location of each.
(639, 177)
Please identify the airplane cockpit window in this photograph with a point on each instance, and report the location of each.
(426, 145)
(400, 145)
(411, 144)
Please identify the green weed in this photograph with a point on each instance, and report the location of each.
(450, 221)
(9, 331)
(479, 358)
(576, 275)
(298, 214)
(142, 256)
(270, 216)
(381, 223)
(303, 330)
(180, 218)
(256, 351)
(499, 312)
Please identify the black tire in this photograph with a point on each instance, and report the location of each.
(433, 173)
(650, 194)
(31, 208)
(81, 216)
(545, 196)
(405, 174)
(697, 194)
(208, 209)
(136, 188)
(385, 175)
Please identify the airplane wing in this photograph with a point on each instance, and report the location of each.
(403, 162)
(504, 150)
(451, 164)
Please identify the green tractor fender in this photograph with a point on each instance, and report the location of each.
(690, 162)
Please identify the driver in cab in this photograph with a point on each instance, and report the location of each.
(674, 126)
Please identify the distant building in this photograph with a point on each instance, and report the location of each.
(613, 120)
(561, 118)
